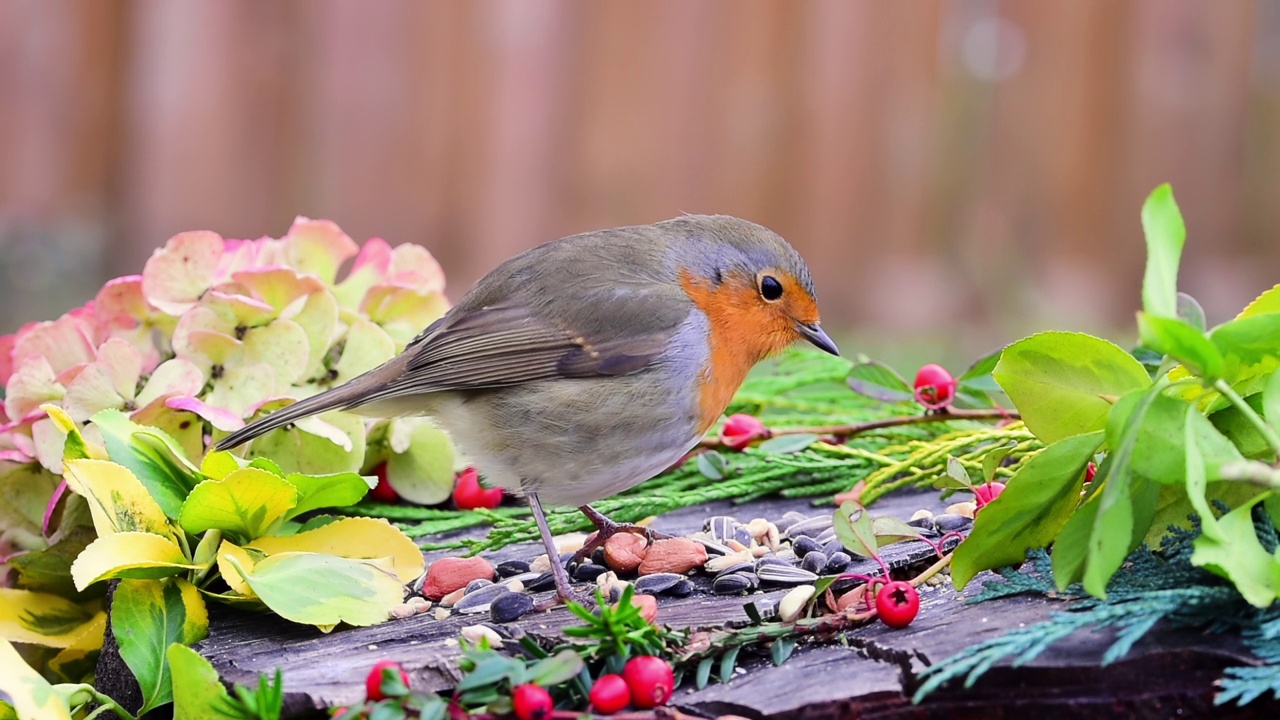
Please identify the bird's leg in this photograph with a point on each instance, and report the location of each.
(605, 529)
(564, 593)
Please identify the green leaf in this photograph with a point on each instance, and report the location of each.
(304, 452)
(1197, 480)
(879, 381)
(1240, 430)
(1032, 510)
(323, 590)
(1165, 234)
(147, 616)
(854, 527)
(1238, 556)
(1071, 548)
(957, 472)
(728, 662)
(559, 668)
(152, 457)
(782, 649)
(712, 465)
(1126, 505)
(129, 555)
(490, 670)
(246, 504)
(1189, 310)
(788, 444)
(197, 692)
(703, 675)
(332, 490)
(1250, 339)
(1271, 402)
(1182, 342)
(889, 530)
(994, 457)
(31, 694)
(1061, 381)
(424, 473)
(1159, 452)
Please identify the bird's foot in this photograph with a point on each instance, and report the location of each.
(605, 529)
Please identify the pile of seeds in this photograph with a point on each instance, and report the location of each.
(727, 557)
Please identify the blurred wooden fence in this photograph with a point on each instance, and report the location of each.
(963, 164)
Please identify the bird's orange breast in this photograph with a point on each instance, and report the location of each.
(741, 332)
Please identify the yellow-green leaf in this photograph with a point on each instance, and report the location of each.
(128, 555)
(357, 538)
(423, 473)
(32, 696)
(117, 499)
(219, 464)
(245, 504)
(79, 659)
(228, 551)
(1267, 302)
(42, 619)
(147, 616)
(76, 446)
(197, 693)
(324, 590)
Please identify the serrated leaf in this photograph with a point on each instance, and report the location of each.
(1060, 382)
(994, 457)
(712, 464)
(1165, 235)
(118, 501)
(559, 668)
(1250, 340)
(1033, 508)
(1159, 450)
(197, 692)
(330, 490)
(356, 538)
(788, 444)
(41, 618)
(129, 555)
(957, 472)
(147, 616)
(323, 590)
(879, 381)
(153, 457)
(1238, 556)
(853, 526)
(246, 504)
(1182, 342)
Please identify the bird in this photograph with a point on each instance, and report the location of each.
(589, 364)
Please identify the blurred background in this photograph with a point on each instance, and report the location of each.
(958, 173)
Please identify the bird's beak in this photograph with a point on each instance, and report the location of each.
(814, 334)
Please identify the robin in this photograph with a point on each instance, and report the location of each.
(589, 364)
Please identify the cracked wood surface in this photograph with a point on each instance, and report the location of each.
(870, 674)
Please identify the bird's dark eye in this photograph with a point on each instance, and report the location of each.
(770, 288)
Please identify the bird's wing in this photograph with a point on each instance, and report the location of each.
(509, 344)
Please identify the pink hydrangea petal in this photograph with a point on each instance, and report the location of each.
(177, 275)
(242, 387)
(282, 345)
(317, 247)
(120, 303)
(318, 318)
(370, 268)
(6, 358)
(237, 255)
(48, 443)
(220, 418)
(90, 392)
(367, 346)
(402, 312)
(199, 319)
(122, 364)
(64, 342)
(172, 377)
(30, 387)
(140, 339)
(244, 309)
(278, 286)
(215, 347)
(68, 376)
(15, 456)
(413, 266)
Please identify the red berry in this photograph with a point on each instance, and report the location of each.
(987, 492)
(383, 492)
(610, 694)
(740, 430)
(531, 702)
(897, 604)
(650, 679)
(1090, 472)
(935, 388)
(373, 681)
(469, 495)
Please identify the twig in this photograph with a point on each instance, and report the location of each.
(849, 430)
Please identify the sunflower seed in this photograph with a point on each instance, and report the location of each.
(509, 606)
(656, 583)
(543, 581)
(738, 567)
(811, 527)
(480, 599)
(802, 546)
(731, 584)
(588, 572)
(713, 547)
(946, 523)
(832, 548)
(788, 519)
(721, 562)
(773, 560)
(785, 575)
(814, 562)
(837, 563)
(512, 567)
(476, 584)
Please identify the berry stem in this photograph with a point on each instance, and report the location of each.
(849, 430)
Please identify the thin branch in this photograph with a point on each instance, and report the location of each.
(847, 431)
